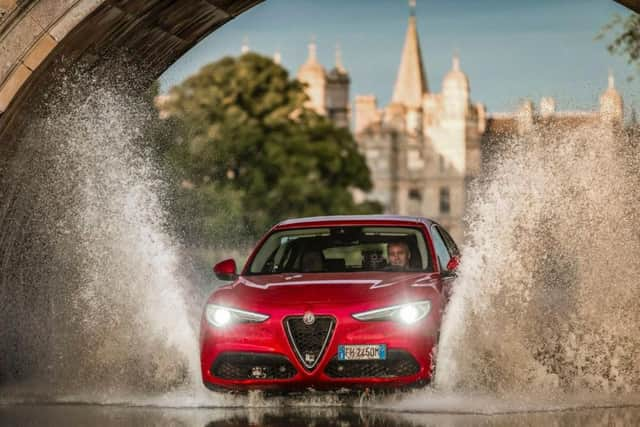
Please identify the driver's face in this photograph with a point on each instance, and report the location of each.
(398, 255)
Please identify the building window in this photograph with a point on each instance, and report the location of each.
(415, 202)
(445, 205)
(443, 165)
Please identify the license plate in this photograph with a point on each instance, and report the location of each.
(362, 352)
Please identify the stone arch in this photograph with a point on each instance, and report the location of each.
(34, 32)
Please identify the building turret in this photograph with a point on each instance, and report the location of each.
(312, 73)
(611, 105)
(337, 102)
(547, 107)
(455, 90)
(525, 117)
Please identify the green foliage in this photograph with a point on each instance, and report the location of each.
(626, 38)
(251, 155)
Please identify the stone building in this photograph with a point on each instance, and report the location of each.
(328, 91)
(501, 126)
(424, 148)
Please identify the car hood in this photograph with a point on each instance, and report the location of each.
(323, 288)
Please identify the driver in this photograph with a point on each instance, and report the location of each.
(399, 255)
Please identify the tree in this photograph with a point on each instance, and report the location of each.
(626, 41)
(252, 155)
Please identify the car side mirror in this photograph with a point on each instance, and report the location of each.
(226, 270)
(453, 263)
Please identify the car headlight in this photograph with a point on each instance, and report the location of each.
(405, 313)
(221, 316)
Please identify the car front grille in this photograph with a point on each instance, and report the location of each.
(399, 363)
(309, 340)
(256, 366)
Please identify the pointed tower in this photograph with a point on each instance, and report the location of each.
(455, 89)
(611, 105)
(313, 75)
(337, 102)
(411, 82)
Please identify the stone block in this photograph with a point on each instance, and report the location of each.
(7, 5)
(46, 12)
(16, 43)
(39, 51)
(11, 86)
(73, 17)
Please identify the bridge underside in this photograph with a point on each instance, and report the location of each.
(631, 4)
(35, 35)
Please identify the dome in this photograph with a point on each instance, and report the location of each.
(338, 75)
(456, 78)
(308, 69)
(312, 68)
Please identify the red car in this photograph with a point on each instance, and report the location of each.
(331, 303)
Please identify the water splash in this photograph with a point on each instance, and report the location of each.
(546, 302)
(91, 282)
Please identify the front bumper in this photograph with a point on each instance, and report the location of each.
(259, 356)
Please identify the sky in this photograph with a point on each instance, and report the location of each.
(510, 50)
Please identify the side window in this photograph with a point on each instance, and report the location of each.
(445, 200)
(441, 248)
(448, 240)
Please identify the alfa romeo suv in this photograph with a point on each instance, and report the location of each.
(342, 302)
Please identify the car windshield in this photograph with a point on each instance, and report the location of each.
(342, 249)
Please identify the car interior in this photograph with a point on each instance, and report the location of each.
(345, 249)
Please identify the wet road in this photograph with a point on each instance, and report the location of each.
(90, 415)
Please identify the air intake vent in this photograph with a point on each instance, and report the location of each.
(309, 340)
(246, 366)
(398, 364)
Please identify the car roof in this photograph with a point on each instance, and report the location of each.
(353, 220)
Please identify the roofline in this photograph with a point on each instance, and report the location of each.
(353, 219)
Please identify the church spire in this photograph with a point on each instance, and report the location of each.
(411, 83)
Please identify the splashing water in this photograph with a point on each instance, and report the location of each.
(91, 282)
(546, 300)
